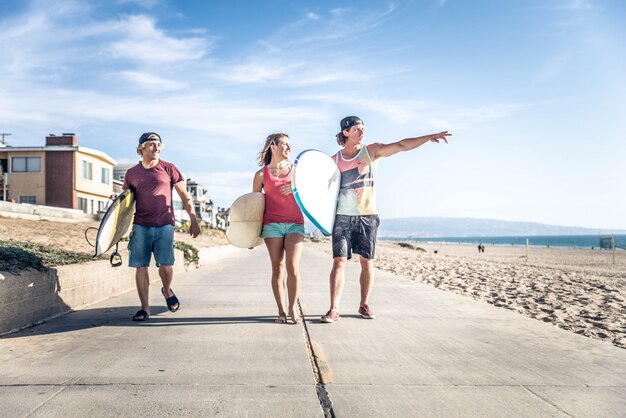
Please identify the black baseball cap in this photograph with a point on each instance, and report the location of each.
(149, 136)
(349, 121)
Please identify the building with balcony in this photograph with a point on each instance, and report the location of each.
(60, 174)
(202, 204)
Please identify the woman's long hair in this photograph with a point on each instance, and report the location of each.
(265, 156)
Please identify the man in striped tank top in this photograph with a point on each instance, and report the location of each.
(356, 221)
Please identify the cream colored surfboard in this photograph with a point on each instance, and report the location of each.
(245, 220)
(115, 222)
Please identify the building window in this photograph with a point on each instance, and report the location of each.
(26, 164)
(82, 204)
(87, 170)
(105, 176)
(28, 199)
(100, 206)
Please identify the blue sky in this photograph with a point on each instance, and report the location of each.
(534, 92)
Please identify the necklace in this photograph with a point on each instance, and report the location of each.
(278, 166)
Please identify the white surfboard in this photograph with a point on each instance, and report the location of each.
(245, 220)
(315, 185)
(115, 222)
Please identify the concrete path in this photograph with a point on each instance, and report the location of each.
(429, 353)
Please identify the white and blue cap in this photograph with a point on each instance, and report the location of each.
(349, 121)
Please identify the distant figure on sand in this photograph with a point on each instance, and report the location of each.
(153, 226)
(283, 222)
(356, 222)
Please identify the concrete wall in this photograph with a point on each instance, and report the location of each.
(38, 212)
(35, 296)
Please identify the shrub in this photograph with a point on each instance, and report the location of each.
(15, 255)
(189, 251)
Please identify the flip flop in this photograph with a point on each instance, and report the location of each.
(171, 301)
(141, 316)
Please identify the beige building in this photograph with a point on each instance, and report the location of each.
(61, 174)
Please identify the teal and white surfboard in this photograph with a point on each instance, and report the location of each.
(315, 185)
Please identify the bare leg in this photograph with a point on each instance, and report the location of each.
(276, 250)
(366, 279)
(167, 274)
(293, 250)
(143, 287)
(336, 281)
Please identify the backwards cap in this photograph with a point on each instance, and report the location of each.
(349, 121)
(149, 136)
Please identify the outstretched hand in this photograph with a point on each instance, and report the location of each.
(439, 136)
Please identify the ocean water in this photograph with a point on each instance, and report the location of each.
(558, 241)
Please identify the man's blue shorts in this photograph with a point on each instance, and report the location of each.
(281, 229)
(148, 240)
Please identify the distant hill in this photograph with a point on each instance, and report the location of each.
(471, 227)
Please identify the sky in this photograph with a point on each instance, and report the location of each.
(533, 92)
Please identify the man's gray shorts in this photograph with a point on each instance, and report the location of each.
(355, 234)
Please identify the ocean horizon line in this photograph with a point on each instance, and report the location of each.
(591, 241)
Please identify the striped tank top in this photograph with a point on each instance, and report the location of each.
(356, 193)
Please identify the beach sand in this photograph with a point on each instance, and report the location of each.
(579, 290)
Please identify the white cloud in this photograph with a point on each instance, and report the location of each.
(144, 43)
(340, 11)
(148, 4)
(65, 42)
(257, 72)
(578, 4)
(149, 82)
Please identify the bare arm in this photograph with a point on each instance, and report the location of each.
(194, 231)
(407, 144)
(257, 184)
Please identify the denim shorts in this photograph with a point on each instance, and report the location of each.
(148, 240)
(280, 230)
(355, 234)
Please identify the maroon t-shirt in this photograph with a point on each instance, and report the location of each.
(153, 192)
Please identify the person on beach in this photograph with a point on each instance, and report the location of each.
(283, 222)
(152, 181)
(356, 219)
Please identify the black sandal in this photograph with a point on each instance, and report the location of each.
(171, 301)
(141, 315)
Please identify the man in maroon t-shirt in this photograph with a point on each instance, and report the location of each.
(152, 181)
